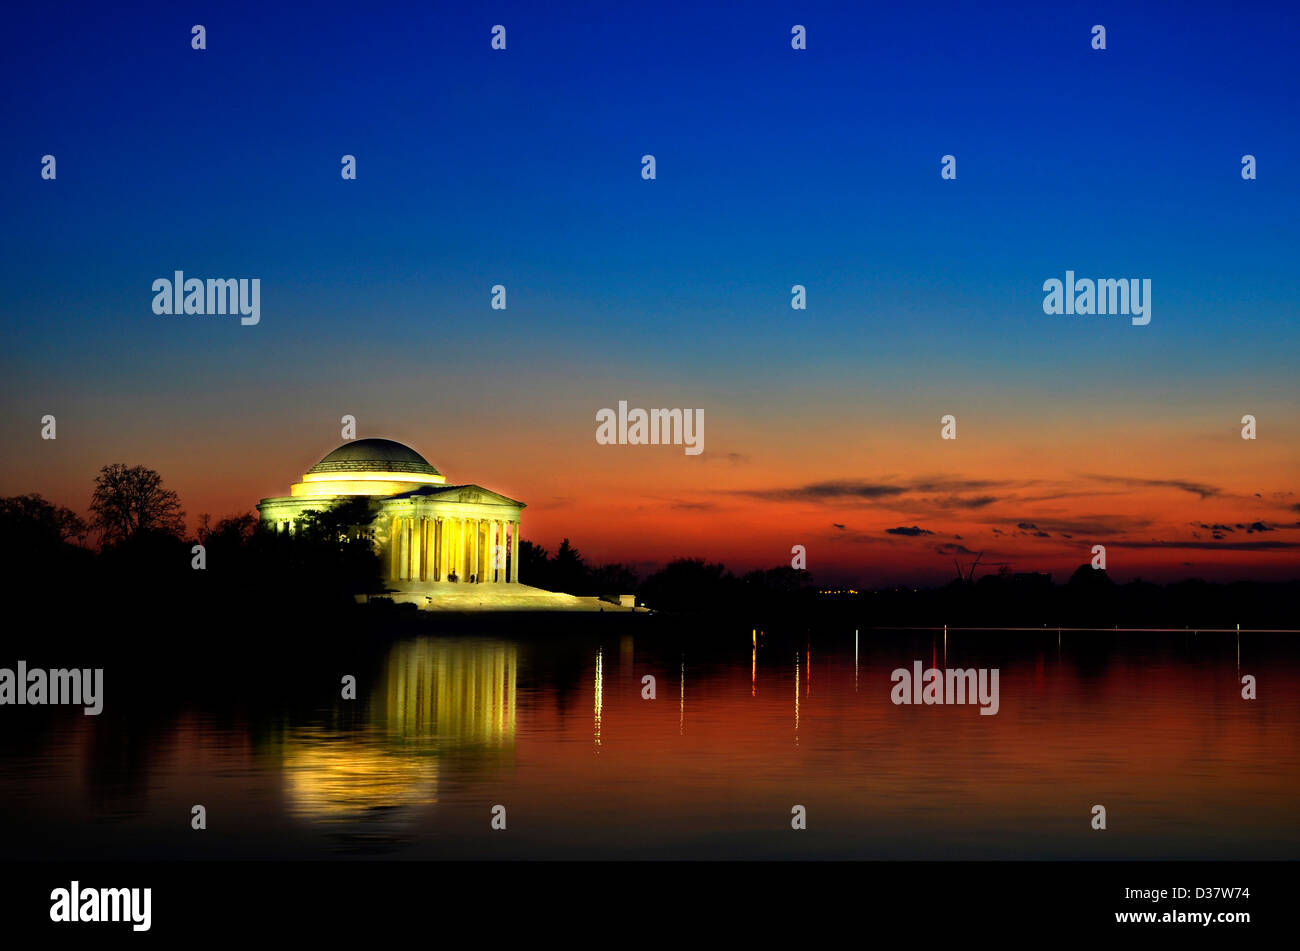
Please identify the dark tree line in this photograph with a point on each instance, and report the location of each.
(568, 572)
(39, 539)
(684, 586)
(143, 558)
(1089, 598)
(694, 586)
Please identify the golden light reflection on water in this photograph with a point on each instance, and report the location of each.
(431, 698)
(341, 779)
(462, 691)
(796, 699)
(598, 690)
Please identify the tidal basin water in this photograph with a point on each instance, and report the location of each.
(556, 730)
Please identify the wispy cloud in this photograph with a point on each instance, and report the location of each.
(692, 506)
(838, 491)
(1211, 546)
(1096, 526)
(827, 492)
(966, 502)
(1195, 488)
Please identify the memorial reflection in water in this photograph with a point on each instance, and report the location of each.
(432, 699)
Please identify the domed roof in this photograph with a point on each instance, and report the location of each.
(374, 455)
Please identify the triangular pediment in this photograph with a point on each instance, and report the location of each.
(459, 493)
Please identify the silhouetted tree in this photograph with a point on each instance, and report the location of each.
(1086, 576)
(569, 571)
(130, 502)
(689, 584)
(784, 580)
(612, 579)
(232, 531)
(331, 550)
(534, 565)
(36, 541)
(28, 521)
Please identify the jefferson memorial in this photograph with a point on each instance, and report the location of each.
(427, 531)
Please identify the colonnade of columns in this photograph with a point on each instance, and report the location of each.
(436, 548)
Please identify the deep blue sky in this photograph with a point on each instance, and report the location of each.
(774, 167)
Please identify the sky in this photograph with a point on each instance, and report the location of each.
(774, 167)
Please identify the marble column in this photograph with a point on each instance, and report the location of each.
(464, 568)
(444, 560)
(494, 549)
(451, 547)
(435, 567)
(429, 543)
(394, 549)
(482, 550)
(417, 549)
(404, 558)
(430, 549)
(459, 549)
(505, 551)
(473, 548)
(514, 551)
(425, 548)
(410, 548)
(501, 551)
(476, 550)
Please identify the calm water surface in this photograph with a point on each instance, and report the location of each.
(1151, 726)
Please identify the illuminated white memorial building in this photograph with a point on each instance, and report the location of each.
(427, 531)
